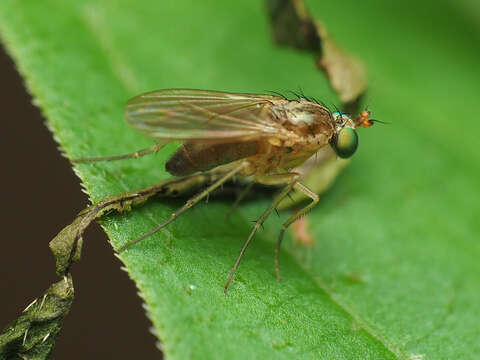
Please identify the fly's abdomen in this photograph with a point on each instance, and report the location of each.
(196, 156)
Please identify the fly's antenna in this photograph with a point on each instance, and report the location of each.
(363, 119)
(136, 154)
(380, 122)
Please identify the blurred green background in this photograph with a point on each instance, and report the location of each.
(394, 270)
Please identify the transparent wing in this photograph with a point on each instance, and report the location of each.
(180, 114)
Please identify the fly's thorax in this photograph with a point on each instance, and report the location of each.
(304, 118)
(277, 152)
(299, 153)
(270, 154)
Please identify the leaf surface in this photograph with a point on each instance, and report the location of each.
(394, 270)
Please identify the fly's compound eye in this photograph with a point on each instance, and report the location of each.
(345, 143)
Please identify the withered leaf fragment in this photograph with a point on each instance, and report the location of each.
(33, 334)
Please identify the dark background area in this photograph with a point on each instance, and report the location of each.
(40, 195)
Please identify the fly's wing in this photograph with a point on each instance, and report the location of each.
(180, 114)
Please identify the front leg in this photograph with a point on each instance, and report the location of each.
(305, 190)
(277, 179)
(318, 173)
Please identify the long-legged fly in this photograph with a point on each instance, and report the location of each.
(264, 138)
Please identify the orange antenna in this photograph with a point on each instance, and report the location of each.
(363, 119)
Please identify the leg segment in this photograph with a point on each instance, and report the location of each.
(300, 187)
(239, 198)
(65, 245)
(290, 179)
(189, 204)
(135, 154)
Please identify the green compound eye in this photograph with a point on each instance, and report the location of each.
(345, 143)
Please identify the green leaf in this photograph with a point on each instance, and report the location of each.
(394, 270)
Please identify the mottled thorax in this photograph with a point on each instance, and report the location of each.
(304, 117)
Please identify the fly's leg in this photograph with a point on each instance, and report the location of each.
(290, 179)
(189, 204)
(136, 154)
(239, 198)
(305, 190)
(65, 246)
(318, 174)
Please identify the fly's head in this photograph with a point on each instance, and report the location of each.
(345, 138)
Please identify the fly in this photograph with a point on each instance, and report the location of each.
(233, 135)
